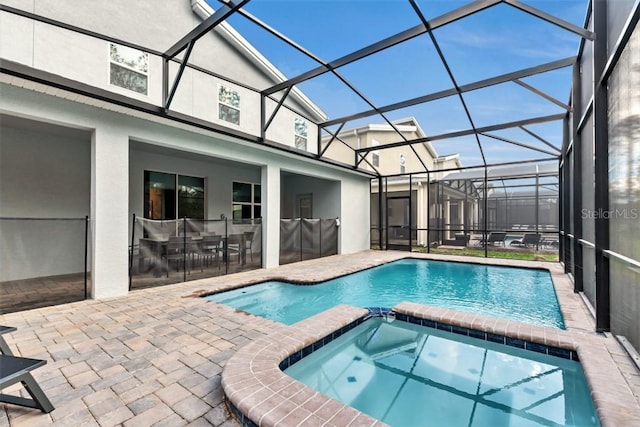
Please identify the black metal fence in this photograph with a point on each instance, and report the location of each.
(43, 262)
(174, 251)
(302, 239)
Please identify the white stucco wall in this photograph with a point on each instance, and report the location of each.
(355, 220)
(112, 176)
(109, 218)
(281, 129)
(156, 25)
(270, 198)
(85, 59)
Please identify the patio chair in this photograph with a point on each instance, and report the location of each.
(248, 239)
(211, 248)
(234, 246)
(181, 250)
(528, 239)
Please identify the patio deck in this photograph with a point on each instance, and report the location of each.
(155, 356)
(27, 294)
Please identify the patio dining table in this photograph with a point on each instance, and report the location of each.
(158, 248)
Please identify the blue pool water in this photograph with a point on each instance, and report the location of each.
(410, 375)
(526, 295)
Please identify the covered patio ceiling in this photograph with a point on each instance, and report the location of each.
(488, 80)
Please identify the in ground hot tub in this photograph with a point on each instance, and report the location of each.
(406, 374)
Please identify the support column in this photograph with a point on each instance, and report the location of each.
(601, 140)
(429, 210)
(576, 184)
(381, 211)
(411, 219)
(270, 194)
(420, 213)
(447, 216)
(476, 215)
(109, 212)
(563, 223)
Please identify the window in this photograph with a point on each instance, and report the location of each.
(246, 201)
(228, 105)
(402, 163)
(171, 196)
(190, 197)
(375, 155)
(305, 205)
(128, 68)
(300, 133)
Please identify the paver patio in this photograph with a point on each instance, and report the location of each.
(154, 357)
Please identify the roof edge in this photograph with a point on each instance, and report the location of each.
(407, 124)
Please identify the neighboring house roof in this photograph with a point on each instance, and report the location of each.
(203, 10)
(449, 157)
(408, 124)
(499, 172)
(543, 193)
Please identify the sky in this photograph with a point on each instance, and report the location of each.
(495, 41)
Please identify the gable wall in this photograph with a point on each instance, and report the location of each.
(154, 24)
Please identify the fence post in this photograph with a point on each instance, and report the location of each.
(320, 239)
(133, 234)
(86, 254)
(225, 251)
(486, 215)
(184, 248)
(428, 213)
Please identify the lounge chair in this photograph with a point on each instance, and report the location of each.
(529, 239)
(13, 370)
(493, 238)
(462, 239)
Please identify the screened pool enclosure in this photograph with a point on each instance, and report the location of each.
(504, 211)
(496, 128)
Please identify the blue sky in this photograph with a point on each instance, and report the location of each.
(495, 41)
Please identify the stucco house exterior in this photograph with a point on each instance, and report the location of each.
(97, 114)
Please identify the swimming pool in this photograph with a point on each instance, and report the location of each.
(522, 294)
(408, 375)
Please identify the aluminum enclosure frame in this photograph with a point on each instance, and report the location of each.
(570, 149)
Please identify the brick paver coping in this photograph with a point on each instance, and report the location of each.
(254, 383)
